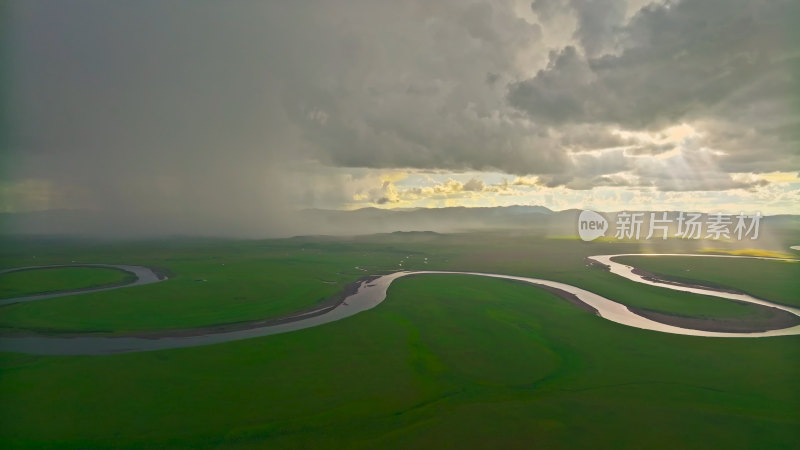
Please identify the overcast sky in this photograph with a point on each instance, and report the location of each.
(239, 112)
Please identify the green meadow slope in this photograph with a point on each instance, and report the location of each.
(28, 282)
(446, 361)
(214, 282)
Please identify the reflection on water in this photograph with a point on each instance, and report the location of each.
(369, 295)
(628, 272)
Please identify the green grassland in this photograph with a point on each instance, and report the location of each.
(447, 361)
(778, 281)
(217, 281)
(28, 282)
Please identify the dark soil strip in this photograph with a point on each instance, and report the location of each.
(678, 281)
(664, 279)
(130, 277)
(568, 296)
(778, 319)
(316, 310)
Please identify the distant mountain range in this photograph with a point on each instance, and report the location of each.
(321, 221)
(372, 220)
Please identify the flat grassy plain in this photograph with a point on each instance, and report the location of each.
(28, 282)
(218, 281)
(447, 361)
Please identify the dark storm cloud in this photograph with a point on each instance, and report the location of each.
(731, 63)
(197, 114)
(599, 21)
(416, 94)
(149, 108)
(148, 87)
(677, 61)
(546, 9)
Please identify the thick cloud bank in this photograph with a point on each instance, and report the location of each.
(206, 116)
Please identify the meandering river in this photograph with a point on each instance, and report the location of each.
(369, 295)
(144, 275)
